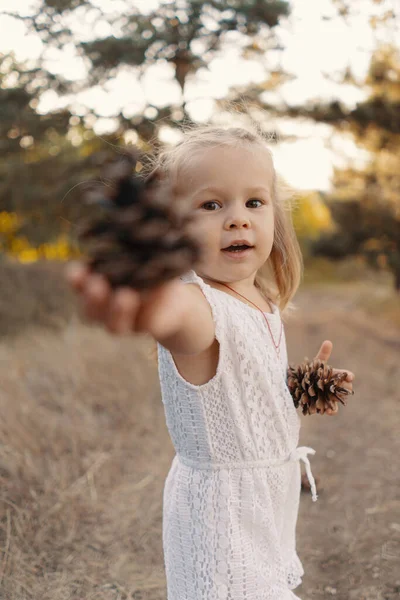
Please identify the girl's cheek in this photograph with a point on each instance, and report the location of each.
(194, 230)
(197, 227)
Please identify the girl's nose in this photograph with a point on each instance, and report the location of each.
(237, 219)
(238, 222)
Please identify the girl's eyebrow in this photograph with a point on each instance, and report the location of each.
(215, 190)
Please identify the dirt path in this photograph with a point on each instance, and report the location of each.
(349, 541)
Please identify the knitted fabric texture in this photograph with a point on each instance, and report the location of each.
(232, 494)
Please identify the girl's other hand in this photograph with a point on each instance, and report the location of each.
(125, 310)
(324, 354)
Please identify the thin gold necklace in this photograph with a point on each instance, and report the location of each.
(272, 337)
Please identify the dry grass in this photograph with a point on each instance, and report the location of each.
(80, 429)
(84, 450)
(33, 295)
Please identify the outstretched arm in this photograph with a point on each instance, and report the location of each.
(175, 314)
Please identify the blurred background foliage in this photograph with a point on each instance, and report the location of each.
(46, 159)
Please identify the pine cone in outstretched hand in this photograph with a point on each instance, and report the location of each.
(314, 387)
(136, 238)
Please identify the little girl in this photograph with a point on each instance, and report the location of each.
(231, 497)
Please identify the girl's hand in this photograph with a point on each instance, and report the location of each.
(125, 310)
(324, 354)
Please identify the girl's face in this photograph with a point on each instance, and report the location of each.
(230, 193)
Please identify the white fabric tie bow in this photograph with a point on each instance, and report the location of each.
(300, 453)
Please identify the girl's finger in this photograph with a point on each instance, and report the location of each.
(76, 274)
(122, 311)
(350, 375)
(97, 295)
(325, 350)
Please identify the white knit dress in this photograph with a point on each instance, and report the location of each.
(231, 497)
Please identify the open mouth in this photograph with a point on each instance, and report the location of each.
(237, 249)
(237, 252)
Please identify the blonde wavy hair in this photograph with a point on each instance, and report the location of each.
(279, 277)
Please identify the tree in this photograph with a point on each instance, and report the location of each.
(48, 159)
(184, 33)
(31, 144)
(369, 219)
(366, 201)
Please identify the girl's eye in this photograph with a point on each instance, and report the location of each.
(213, 202)
(210, 202)
(256, 200)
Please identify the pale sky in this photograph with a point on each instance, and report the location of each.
(314, 48)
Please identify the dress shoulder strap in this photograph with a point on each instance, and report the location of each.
(218, 315)
(190, 277)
